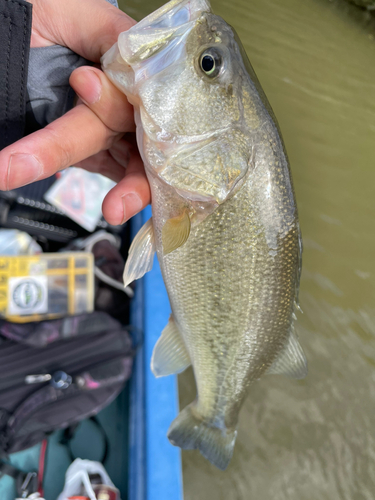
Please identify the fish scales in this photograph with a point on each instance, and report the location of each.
(225, 223)
(231, 298)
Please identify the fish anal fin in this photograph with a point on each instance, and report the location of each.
(291, 362)
(141, 254)
(175, 232)
(170, 355)
(189, 431)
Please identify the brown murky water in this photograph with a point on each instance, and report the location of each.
(312, 439)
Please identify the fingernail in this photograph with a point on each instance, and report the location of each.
(132, 205)
(93, 91)
(23, 169)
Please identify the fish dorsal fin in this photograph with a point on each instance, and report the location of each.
(175, 232)
(170, 355)
(141, 254)
(291, 362)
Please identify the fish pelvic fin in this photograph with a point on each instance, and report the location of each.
(141, 254)
(189, 432)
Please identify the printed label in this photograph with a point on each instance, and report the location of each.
(28, 295)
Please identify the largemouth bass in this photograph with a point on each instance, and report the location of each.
(224, 225)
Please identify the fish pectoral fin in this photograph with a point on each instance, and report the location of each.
(141, 254)
(291, 362)
(170, 355)
(175, 232)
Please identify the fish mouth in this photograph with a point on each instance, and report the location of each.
(173, 14)
(151, 45)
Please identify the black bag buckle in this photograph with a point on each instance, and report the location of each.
(28, 485)
(26, 482)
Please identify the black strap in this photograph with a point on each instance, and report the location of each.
(15, 33)
(9, 470)
(26, 482)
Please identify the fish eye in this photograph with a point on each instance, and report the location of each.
(211, 62)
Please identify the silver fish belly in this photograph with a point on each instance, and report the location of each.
(225, 224)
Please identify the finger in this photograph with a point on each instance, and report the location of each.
(103, 163)
(111, 163)
(122, 150)
(88, 27)
(103, 98)
(130, 196)
(75, 136)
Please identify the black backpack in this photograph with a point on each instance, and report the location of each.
(56, 373)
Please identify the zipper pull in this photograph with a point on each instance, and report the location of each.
(61, 380)
(37, 379)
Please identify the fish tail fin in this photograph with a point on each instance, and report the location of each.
(189, 431)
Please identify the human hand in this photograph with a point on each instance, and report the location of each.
(95, 134)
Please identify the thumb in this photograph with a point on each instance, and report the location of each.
(88, 27)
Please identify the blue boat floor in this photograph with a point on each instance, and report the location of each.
(88, 442)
